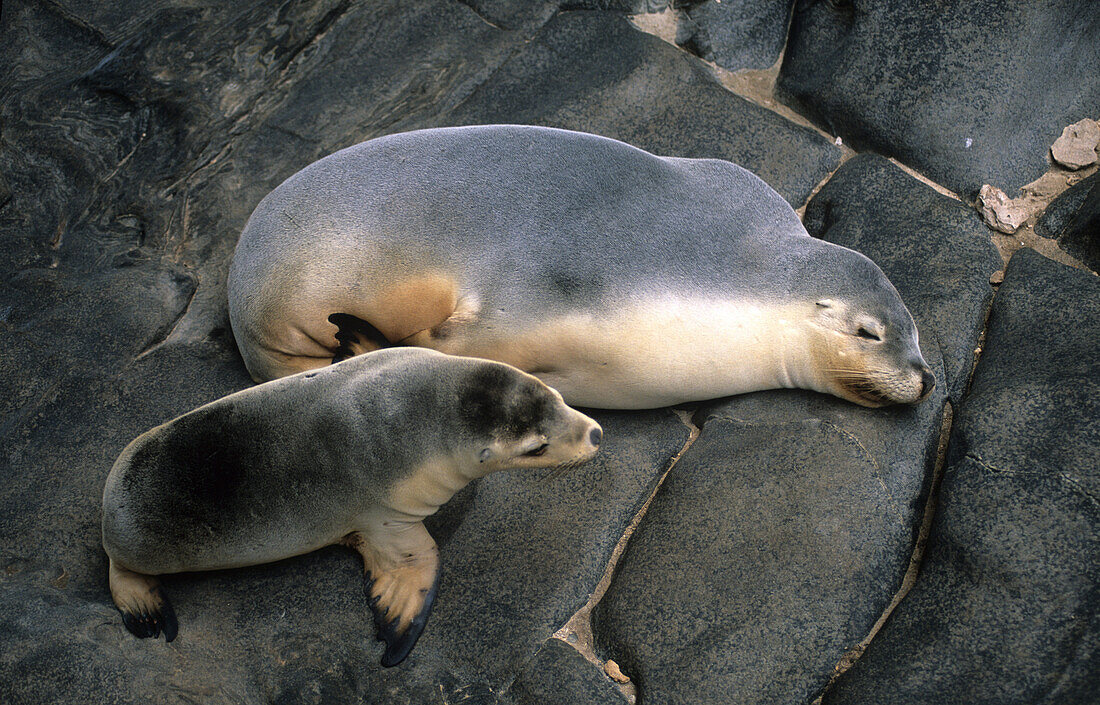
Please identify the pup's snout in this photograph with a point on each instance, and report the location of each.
(595, 436)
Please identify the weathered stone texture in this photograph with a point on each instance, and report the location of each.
(967, 93)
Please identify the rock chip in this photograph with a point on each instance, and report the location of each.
(634, 87)
(1074, 220)
(1005, 609)
(971, 94)
(736, 34)
(1076, 148)
(999, 211)
(933, 248)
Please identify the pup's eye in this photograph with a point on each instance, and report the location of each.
(538, 451)
(868, 335)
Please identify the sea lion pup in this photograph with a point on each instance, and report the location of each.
(620, 278)
(358, 453)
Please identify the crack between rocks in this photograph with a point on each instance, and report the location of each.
(480, 16)
(939, 188)
(846, 153)
(1074, 484)
(160, 340)
(77, 21)
(916, 558)
(577, 631)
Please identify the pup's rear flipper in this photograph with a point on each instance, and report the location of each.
(399, 643)
(145, 610)
(355, 336)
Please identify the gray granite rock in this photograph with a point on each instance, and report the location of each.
(968, 94)
(1006, 607)
(634, 87)
(935, 250)
(1073, 219)
(736, 34)
(559, 675)
(772, 547)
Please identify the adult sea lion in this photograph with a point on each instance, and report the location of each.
(357, 453)
(620, 278)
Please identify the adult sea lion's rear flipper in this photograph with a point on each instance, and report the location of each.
(401, 565)
(145, 609)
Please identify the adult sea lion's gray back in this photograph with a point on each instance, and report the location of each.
(622, 279)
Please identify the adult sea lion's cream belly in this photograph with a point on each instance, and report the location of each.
(660, 352)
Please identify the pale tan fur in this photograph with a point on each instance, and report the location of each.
(133, 592)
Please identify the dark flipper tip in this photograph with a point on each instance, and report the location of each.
(150, 624)
(399, 646)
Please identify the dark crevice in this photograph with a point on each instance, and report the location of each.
(916, 558)
(66, 16)
(577, 631)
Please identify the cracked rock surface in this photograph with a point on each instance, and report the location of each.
(1006, 609)
(136, 138)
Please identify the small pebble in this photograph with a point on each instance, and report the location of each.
(997, 277)
(612, 670)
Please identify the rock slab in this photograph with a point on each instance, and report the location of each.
(969, 94)
(1073, 219)
(770, 549)
(559, 675)
(1006, 608)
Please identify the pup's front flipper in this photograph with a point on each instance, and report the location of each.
(145, 610)
(401, 562)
